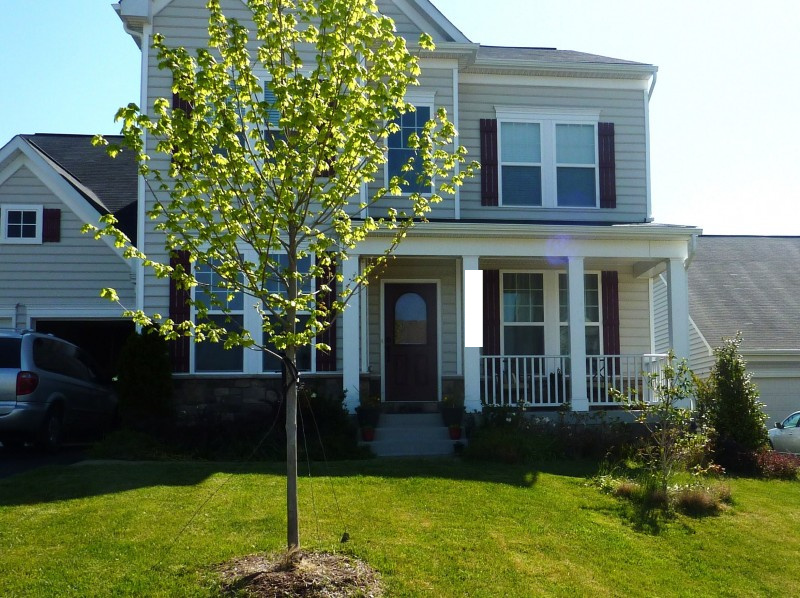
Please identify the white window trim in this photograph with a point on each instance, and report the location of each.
(552, 328)
(6, 208)
(420, 99)
(544, 325)
(548, 119)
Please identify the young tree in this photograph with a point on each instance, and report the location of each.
(672, 433)
(728, 401)
(281, 123)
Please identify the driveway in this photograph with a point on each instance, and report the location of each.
(17, 461)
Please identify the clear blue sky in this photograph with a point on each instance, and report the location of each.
(725, 132)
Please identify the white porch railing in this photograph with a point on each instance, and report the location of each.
(543, 380)
(629, 374)
(536, 380)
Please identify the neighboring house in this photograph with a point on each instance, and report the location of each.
(50, 186)
(744, 284)
(559, 223)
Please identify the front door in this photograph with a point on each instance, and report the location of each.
(410, 330)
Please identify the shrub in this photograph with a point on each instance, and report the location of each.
(144, 380)
(508, 436)
(728, 402)
(699, 500)
(777, 465)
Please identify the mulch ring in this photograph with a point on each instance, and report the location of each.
(300, 573)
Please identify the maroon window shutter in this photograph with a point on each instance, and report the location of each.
(489, 166)
(608, 177)
(179, 311)
(491, 312)
(51, 225)
(326, 361)
(610, 289)
(178, 103)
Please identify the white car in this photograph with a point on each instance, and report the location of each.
(785, 436)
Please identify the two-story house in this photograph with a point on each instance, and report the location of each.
(559, 226)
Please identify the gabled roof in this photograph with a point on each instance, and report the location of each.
(109, 185)
(750, 284)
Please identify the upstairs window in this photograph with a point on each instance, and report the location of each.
(548, 159)
(21, 224)
(397, 143)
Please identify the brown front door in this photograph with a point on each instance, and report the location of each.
(411, 339)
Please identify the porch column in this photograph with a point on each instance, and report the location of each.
(472, 354)
(577, 335)
(678, 288)
(351, 335)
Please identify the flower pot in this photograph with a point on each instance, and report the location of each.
(367, 434)
(455, 432)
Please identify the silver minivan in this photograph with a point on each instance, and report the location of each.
(49, 389)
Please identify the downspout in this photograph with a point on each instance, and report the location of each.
(652, 85)
(141, 211)
(692, 250)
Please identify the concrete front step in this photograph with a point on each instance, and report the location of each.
(408, 434)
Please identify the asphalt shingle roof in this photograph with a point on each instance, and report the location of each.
(552, 55)
(108, 184)
(750, 284)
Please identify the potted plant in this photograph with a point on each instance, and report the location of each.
(452, 409)
(455, 431)
(369, 411)
(367, 433)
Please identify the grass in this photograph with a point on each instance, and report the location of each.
(431, 527)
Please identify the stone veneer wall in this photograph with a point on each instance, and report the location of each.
(235, 398)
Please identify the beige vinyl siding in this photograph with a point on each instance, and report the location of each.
(624, 108)
(660, 316)
(441, 270)
(634, 314)
(64, 275)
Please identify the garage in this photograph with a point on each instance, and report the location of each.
(102, 339)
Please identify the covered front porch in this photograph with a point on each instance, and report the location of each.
(540, 316)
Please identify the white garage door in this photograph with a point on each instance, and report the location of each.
(781, 395)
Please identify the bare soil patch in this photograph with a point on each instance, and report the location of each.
(300, 573)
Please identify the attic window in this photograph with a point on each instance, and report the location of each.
(21, 224)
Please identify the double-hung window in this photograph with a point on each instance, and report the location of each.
(399, 152)
(548, 159)
(305, 354)
(226, 310)
(21, 224)
(523, 313)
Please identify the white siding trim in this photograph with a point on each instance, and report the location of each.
(432, 14)
(647, 183)
(456, 141)
(79, 313)
(702, 337)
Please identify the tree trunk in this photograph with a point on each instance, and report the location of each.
(292, 517)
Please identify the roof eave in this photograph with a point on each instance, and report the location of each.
(577, 69)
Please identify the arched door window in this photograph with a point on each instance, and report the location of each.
(410, 320)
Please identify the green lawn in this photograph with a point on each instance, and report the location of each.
(432, 527)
